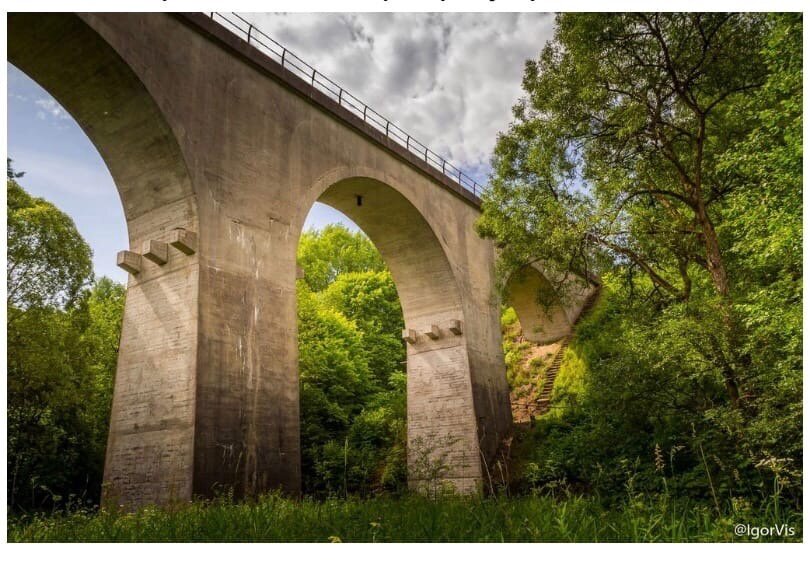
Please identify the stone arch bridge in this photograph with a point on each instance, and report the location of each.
(218, 151)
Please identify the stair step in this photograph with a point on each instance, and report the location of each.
(526, 408)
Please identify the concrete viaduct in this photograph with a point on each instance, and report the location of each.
(218, 151)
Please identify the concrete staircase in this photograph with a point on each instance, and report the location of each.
(530, 404)
(544, 399)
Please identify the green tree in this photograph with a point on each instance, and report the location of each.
(62, 348)
(11, 174)
(48, 262)
(370, 300)
(48, 437)
(335, 382)
(334, 250)
(351, 359)
(762, 228)
(615, 152)
(61, 365)
(665, 151)
(100, 339)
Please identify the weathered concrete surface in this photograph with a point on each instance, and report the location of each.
(201, 132)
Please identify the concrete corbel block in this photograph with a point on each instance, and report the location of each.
(455, 327)
(184, 241)
(129, 261)
(409, 335)
(156, 251)
(434, 333)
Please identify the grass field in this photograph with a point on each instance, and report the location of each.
(535, 519)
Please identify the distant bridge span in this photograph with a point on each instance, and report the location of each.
(218, 152)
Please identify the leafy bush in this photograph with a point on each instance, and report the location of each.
(351, 361)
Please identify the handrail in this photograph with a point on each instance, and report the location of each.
(287, 59)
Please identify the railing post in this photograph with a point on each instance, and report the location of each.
(283, 54)
(365, 109)
(426, 150)
(459, 177)
(314, 72)
(408, 143)
(340, 97)
(444, 163)
(387, 123)
(250, 31)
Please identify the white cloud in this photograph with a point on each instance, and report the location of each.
(450, 80)
(51, 107)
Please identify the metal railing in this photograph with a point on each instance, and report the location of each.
(238, 25)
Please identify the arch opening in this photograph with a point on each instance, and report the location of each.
(418, 264)
(542, 314)
(442, 447)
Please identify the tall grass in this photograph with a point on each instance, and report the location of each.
(534, 518)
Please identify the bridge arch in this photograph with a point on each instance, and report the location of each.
(101, 91)
(546, 303)
(400, 231)
(441, 413)
(105, 96)
(537, 304)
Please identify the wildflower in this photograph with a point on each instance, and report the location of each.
(659, 459)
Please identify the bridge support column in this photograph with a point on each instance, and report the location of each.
(247, 411)
(150, 447)
(443, 447)
(206, 393)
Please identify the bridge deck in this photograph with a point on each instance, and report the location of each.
(264, 63)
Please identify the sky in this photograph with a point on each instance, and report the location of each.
(448, 79)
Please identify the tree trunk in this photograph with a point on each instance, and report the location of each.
(717, 270)
(714, 259)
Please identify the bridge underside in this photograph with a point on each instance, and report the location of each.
(535, 294)
(218, 156)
